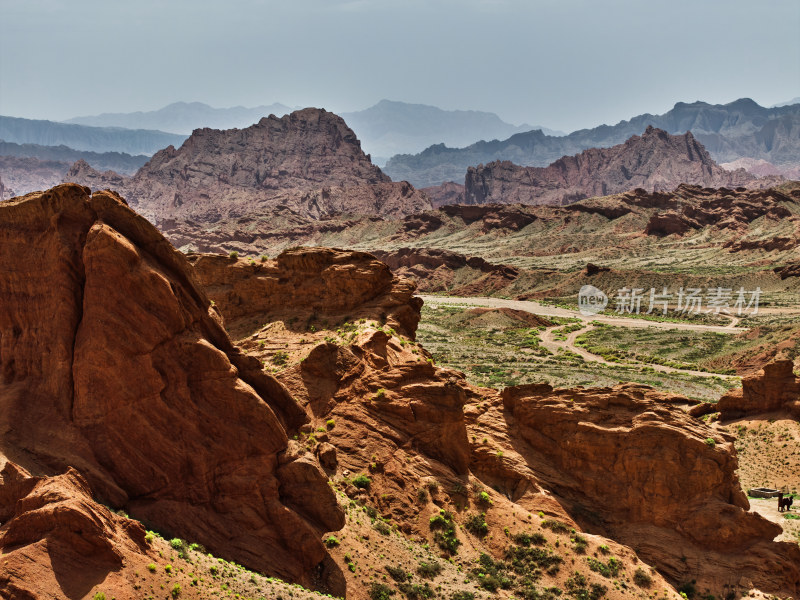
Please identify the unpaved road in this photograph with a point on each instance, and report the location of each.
(553, 345)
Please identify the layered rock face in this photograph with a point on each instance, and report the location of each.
(655, 161)
(626, 462)
(113, 362)
(774, 388)
(309, 161)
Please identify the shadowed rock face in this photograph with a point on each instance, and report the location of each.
(113, 362)
(655, 161)
(309, 161)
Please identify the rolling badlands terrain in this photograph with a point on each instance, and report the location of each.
(216, 377)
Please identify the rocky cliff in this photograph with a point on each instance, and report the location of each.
(309, 161)
(655, 161)
(114, 362)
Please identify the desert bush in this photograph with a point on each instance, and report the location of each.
(429, 569)
(642, 578)
(362, 481)
(380, 591)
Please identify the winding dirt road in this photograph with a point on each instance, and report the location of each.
(550, 342)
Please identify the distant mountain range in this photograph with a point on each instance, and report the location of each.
(730, 131)
(386, 129)
(185, 117)
(81, 137)
(115, 161)
(390, 128)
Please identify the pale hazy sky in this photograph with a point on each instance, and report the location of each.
(564, 64)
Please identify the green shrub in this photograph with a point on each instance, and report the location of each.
(149, 537)
(526, 539)
(176, 590)
(688, 589)
(642, 578)
(580, 544)
(99, 596)
(280, 358)
(330, 423)
(397, 573)
(555, 526)
(382, 527)
(462, 596)
(168, 568)
(429, 569)
(483, 498)
(710, 442)
(445, 536)
(176, 543)
(379, 591)
(332, 541)
(476, 524)
(151, 567)
(362, 481)
(413, 591)
(233, 254)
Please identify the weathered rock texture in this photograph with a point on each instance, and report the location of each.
(55, 540)
(114, 363)
(655, 161)
(774, 388)
(627, 463)
(309, 161)
(306, 281)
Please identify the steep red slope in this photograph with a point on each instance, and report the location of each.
(113, 362)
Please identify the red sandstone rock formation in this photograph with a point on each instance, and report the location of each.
(56, 541)
(627, 463)
(320, 281)
(309, 161)
(114, 363)
(656, 161)
(774, 388)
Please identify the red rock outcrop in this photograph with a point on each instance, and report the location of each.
(655, 161)
(113, 362)
(305, 281)
(309, 161)
(56, 540)
(626, 462)
(774, 388)
(433, 268)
